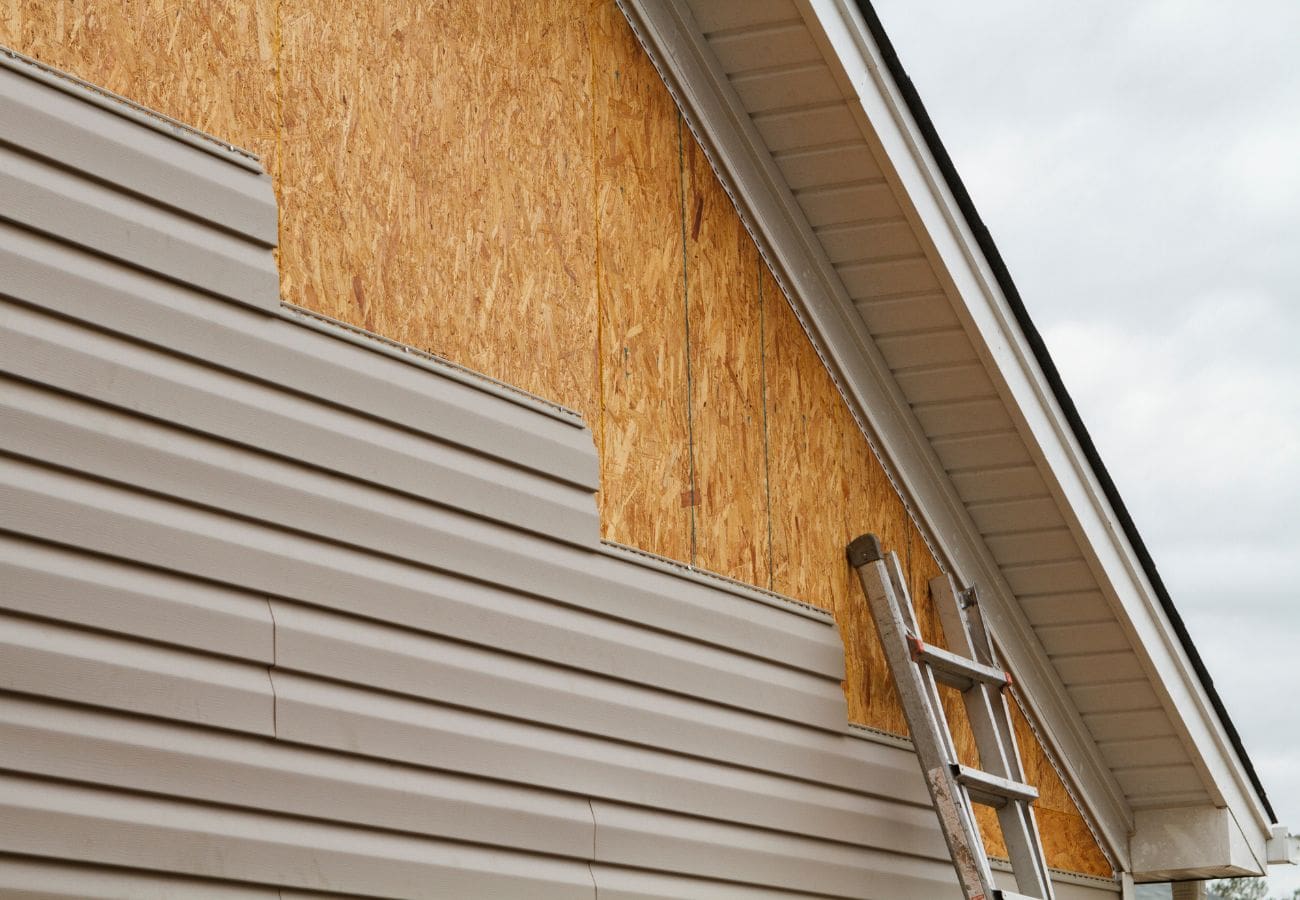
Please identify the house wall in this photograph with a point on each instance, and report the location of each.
(511, 188)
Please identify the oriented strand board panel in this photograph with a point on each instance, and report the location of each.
(806, 440)
(641, 427)
(723, 295)
(437, 182)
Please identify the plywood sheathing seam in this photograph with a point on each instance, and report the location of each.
(644, 441)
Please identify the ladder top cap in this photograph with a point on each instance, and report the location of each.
(864, 549)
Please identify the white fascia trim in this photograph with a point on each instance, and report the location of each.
(716, 115)
(1044, 423)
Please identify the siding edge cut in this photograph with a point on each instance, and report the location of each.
(128, 109)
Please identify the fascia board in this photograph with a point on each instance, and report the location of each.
(1033, 402)
(799, 263)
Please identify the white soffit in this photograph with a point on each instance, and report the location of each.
(810, 135)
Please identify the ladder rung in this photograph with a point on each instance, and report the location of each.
(956, 671)
(990, 790)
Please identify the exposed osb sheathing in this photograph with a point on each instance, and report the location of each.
(437, 181)
(641, 425)
(726, 368)
(510, 186)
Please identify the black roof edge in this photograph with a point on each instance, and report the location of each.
(1053, 376)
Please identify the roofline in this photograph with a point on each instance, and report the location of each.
(1053, 377)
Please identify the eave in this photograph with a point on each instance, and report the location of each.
(1077, 548)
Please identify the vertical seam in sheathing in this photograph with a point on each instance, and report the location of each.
(600, 304)
(762, 387)
(770, 258)
(278, 61)
(686, 303)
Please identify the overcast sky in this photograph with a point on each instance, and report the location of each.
(1138, 162)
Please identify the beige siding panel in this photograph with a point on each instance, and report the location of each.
(720, 851)
(98, 592)
(45, 198)
(30, 878)
(617, 883)
(170, 389)
(67, 132)
(345, 718)
(198, 764)
(62, 663)
(423, 666)
(391, 386)
(208, 545)
(118, 828)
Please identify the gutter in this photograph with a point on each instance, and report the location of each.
(1000, 272)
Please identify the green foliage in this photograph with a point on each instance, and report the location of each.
(1245, 889)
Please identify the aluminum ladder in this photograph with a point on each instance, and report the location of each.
(918, 669)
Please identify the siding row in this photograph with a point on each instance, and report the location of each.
(290, 614)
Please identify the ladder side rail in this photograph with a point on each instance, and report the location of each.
(990, 718)
(929, 680)
(1020, 826)
(981, 701)
(918, 693)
